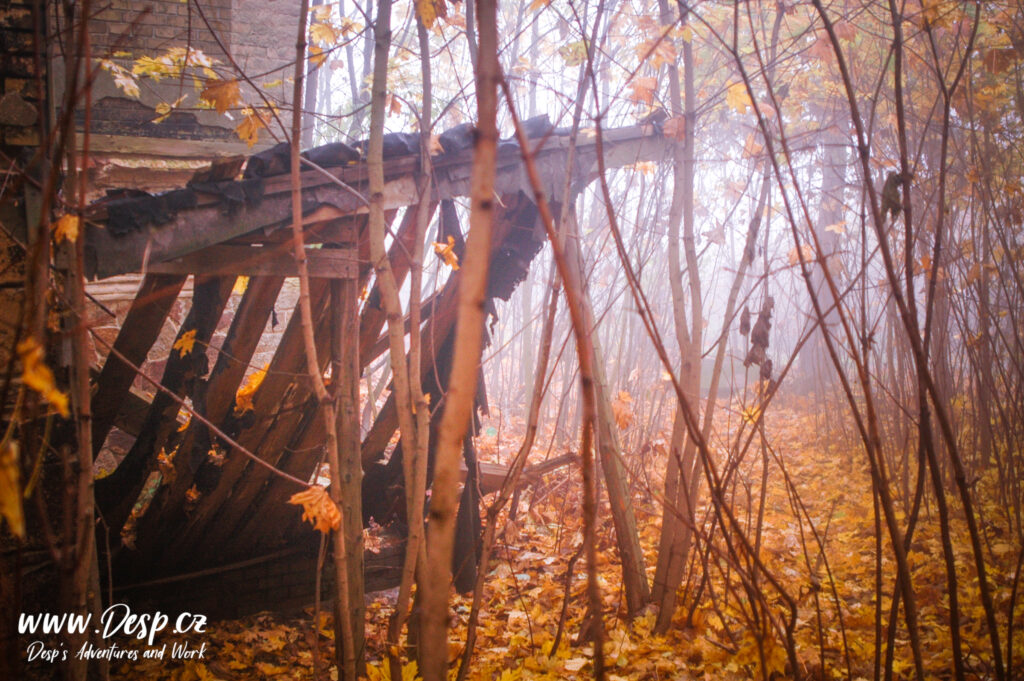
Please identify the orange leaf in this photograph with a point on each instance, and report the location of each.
(643, 90)
(623, 409)
(10, 489)
(37, 376)
(221, 94)
(66, 228)
(318, 508)
(185, 343)
(447, 253)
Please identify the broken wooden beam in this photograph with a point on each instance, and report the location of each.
(270, 261)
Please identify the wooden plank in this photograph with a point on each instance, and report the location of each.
(116, 493)
(239, 346)
(284, 407)
(280, 408)
(165, 147)
(348, 479)
(140, 330)
(206, 226)
(255, 261)
(372, 318)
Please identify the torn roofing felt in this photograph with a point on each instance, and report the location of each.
(130, 229)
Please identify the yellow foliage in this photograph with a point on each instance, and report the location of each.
(737, 98)
(37, 376)
(249, 129)
(323, 33)
(446, 252)
(318, 508)
(10, 489)
(222, 95)
(243, 398)
(185, 343)
(430, 10)
(66, 228)
(317, 56)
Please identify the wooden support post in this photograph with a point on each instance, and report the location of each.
(346, 482)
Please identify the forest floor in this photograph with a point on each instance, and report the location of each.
(835, 631)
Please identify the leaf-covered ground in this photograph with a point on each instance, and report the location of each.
(829, 495)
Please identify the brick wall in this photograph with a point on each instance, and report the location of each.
(145, 28)
(259, 36)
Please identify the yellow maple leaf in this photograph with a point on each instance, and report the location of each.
(185, 343)
(318, 508)
(805, 250)
(737, 98)
(573, 54)
(446, 252)
(221, 95)
(66, 228)
(37, 376)
(323, 33)
(317, 56)
(249, 129)
(430, 10)
(10, 489)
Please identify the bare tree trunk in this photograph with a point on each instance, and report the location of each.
(634, 573)
(511, 482)
(681, 479)
(466, 360)
(415, 410)
(346, 651)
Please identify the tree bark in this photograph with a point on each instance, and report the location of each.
(466, 362)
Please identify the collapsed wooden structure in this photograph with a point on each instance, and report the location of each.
(214, 505)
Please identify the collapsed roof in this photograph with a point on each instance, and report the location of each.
(212, 508)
